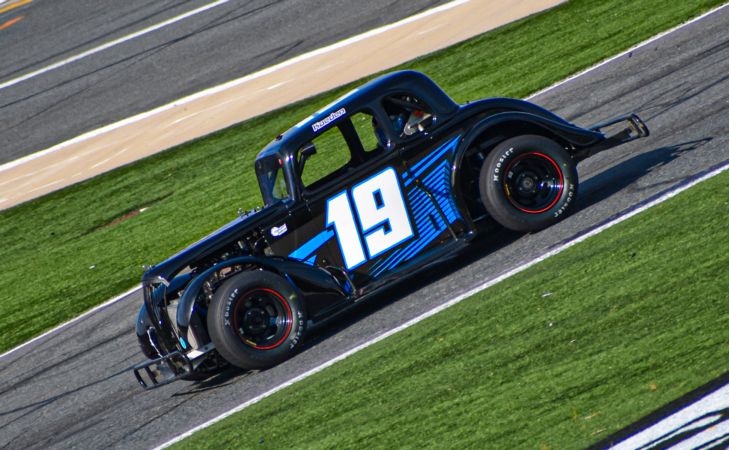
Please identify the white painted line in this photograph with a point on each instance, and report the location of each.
(72, 321)
(49, 168)
(110, 44)
(183, 118)
(229, 84)
(450, 303)
(631, 49)
(429, 30)
(678, 426)
(48, 185)
(101, 163)
(277, 85)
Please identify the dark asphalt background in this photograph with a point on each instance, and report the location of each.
(74, 389)
(215, 46)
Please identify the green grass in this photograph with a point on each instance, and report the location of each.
(635, 317)
(67, 251)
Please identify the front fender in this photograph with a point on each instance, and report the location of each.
(307, 280)
(143, 324)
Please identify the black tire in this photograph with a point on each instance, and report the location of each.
(256, 320)
(528, 182)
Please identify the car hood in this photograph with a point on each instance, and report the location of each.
(215, 241)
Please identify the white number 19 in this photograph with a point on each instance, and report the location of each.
(382, 216)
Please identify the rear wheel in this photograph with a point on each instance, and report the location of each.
(528, 183)
(256, 320)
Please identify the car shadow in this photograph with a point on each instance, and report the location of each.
(223, 378)
(616, 178)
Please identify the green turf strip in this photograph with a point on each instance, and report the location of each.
(559, 356)
(71, 250)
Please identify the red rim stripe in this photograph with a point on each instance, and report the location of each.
(289, 318)
(561, 183)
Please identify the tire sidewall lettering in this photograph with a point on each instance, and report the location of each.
(496, 168)
(568, 197)
(500, 164)
(226, 304)
(229, 304)
(298, 330)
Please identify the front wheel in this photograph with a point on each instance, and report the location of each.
(528, 183)
(256, 320)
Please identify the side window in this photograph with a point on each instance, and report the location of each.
(370, 135)
(330, 156)
(408, 115)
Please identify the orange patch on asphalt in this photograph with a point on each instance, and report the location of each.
(11, 22)
(14, 5)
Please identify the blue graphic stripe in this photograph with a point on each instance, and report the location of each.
(426, 231)
(424, 203)
(424, 164)
(306, 250)
(411, 250)
(414, 197)
(438, 182)
(427, 161)
(427, 219)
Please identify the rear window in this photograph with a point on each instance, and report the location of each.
(409, 116)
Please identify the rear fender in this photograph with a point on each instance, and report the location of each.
(578, 137)
(498, 127)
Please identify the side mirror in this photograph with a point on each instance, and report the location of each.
(306, 151)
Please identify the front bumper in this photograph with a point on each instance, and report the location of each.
(171, 356)
(173, 366)
(164, 370)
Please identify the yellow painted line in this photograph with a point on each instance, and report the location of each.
(12, 6)
(11, 22)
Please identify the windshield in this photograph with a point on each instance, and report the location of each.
(272, 179)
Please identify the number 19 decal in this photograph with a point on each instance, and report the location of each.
(382, 215)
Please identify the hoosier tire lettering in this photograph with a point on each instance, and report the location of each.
(256, 320)
(528, 183)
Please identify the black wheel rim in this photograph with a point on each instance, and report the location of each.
(262, 318)
(533, 183)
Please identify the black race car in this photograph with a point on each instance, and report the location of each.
(390, 178)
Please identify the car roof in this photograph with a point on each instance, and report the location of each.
(407, 81)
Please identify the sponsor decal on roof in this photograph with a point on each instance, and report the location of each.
(316, 126)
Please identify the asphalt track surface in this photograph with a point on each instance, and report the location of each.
(74, 388)
(224, 42)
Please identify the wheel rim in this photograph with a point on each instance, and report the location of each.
(533, 183)
(262, 318)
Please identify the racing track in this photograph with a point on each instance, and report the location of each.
(102, 149)
(239, 37)
(74, 389)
